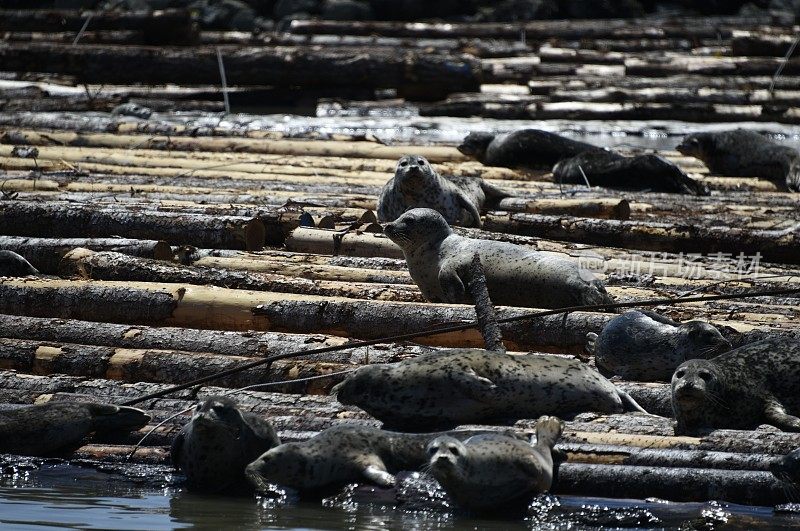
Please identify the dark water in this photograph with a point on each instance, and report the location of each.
(56, 495)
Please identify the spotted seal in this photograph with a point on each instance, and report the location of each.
(742, 153)
(439, 260)
(471, 386)
(645, 346)
(753, 384)
(416, 184)
(214, 448)
(57, 427)
(787, 468)
(526, 148)
(609, 169)
(494, 471)
(340, 455)
(14, 265)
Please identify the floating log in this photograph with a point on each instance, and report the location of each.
(327, 148)
(187, 305)
(676, 484)
(772, 245)
(590, 208)
(22, 218)
(161, 366)
(46, 253)
(244, 344)
(416, 74)
(667, 457)
(350, 243)
(86, 264)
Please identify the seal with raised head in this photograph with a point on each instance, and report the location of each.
(214, 448)
(645, 346)
(338, 456)
(14, 265)
(526, 148)
(757, 383)
(609, 169)
(742, 153)
(443, 389)
(58, 427)
(493, 472)
(438, 261)
(416, 184)
(787, 468)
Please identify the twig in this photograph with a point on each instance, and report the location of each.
(585, 178)
(83, 28)
(224, 81)
(783, 63)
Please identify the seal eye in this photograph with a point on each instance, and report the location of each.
(421, 162)
(455, 451)
(432, 449)
(680, 374)
(403, 163)
(705, 376)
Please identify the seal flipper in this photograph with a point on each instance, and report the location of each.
(473, 385)
(629, 404)
(471, 209)
(111, 418)
(776, 414)
(378, 475)
(452, 285)
(493, 194)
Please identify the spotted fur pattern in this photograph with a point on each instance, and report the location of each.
(470, 386)
(493, 471)
(754, 384)
(646, 347)
(214, 448)
(439, 260)
(416, 184)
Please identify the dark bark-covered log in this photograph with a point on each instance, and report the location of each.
(775, 246)
(85, 264)
(667, 457)
(189, 339)
(759, 44)
(188, 305)
(676, 484)
(610, 208)
(168, 26)
(161, 366)
(419, 75)
(23, 218)
(46, 253)
(720, 66)
(673, 27)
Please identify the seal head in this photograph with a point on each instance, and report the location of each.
(475, 145)
(787, 468)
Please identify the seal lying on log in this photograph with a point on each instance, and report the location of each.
(606, 168)
(493, 472)
(644, 346)
(14, 265)
(527, 148)
(439, 261)
(341, 455)
(754, 384)
(57, 427)
(441, 390)
(742, 153)
(214, 448)
(416, 184)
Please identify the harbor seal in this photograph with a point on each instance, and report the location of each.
(787, 468)
(644, 346)
(742, 153)
(416, 184)
(493, 472)
(55, 428)
(753, 384)
(526, 148)
(338, 456)
(214, 448)
(609, 169)
(438, 261)
(14, 265)
(443, 389)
